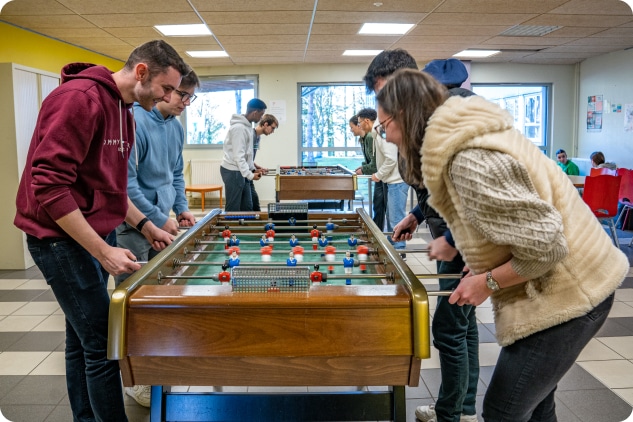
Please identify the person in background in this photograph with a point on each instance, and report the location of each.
(237, 168)
(598, 161)
(366, 118)
(354, 127)
(528, 240)
(568, 167)
(266, 126)
(454, 327)
(72, 196)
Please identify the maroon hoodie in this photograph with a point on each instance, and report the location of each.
(78, 155)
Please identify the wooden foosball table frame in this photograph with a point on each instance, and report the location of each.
(361, 335)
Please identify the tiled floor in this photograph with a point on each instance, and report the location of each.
(599, 387)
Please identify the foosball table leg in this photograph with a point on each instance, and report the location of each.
(157, 403)
(399, 403)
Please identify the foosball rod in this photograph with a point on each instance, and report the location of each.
(178, 263)
(310, 222)
(253, 242)
(296, 228)
(278, 251)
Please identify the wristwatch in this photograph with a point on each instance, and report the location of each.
(491, 282)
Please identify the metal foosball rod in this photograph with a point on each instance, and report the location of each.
(278, 251)
(277, 228)
(178, 263)
(310, 222)
(253, 242)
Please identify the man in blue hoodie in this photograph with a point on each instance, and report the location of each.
(237, 168)
(155, 181)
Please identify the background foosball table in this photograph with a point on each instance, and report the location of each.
(173, 323)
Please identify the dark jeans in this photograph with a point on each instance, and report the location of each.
(79, 283)
(254, 197)
(527, 373)
(456, 337)
(237, 191)
(379, 203)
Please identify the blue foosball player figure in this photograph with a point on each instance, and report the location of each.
(329, 227)
(323, 241)
(348, 265)
(292, 221)
(234, 241)
(291, 261)
(293, 241)
(234, 260)
(352, 241)
(270, 225)
(263, 241)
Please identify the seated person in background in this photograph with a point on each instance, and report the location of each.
(565, 164)
(598, 161)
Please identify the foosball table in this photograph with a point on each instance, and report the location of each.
(279, 298)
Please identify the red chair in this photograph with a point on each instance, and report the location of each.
(602, 171)
(601, 194)
(625, 196)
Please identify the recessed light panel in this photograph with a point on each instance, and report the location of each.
(477, 53)
(361, 52)
(183, 30)
(207, 54)
(385, 28)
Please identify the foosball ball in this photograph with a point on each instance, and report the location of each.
(254, 300)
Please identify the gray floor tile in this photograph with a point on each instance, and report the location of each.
(419, 392)
(613, 328)
(37, 341)
(626, 322)
(563, 414)
(33, 390)
(20, 295)
(627, 283)
(595, 405)
(7, 383)
(9, 338)
(485, 336)
(61, 413)
(47, 296)
(27, 412)
(485, 373)
(28, 274)
(579, 379)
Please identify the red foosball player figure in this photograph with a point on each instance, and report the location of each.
(316, 276)
(330, 256)
(270, 235)
(314, 233)
(226, 233)
(232, 249)
(224, 276)
(298, 251)
(267, 252)
(362, 257)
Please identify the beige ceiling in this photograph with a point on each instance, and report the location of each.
(318, 31)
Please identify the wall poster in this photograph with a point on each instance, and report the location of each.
(594, 113)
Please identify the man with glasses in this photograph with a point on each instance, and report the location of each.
(155, 181)
(267, 125)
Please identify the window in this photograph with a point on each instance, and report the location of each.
(207, 119)
(528, 104)
(324, 131)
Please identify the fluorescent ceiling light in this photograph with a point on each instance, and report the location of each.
(477, 53)
(361, 52)
(207, 54)
(385, 28)
(183, 30)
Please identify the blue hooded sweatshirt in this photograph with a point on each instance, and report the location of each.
(155, 180)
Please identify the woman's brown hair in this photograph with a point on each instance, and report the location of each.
(411, 97)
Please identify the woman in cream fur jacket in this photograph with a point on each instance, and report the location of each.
(528, 240)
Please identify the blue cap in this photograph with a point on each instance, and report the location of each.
(447, 72)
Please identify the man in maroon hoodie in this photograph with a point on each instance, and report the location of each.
(72, 196)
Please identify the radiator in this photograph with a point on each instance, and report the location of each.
(205, 172)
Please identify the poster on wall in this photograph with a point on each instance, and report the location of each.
(628, 117)
(594, 113)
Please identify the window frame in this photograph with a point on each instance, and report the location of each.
(199, 93)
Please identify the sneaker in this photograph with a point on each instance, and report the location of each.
(141, 393)
(425, 413)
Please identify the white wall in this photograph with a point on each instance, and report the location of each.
(608, 75)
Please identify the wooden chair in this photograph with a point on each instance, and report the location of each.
(601, 195)
(602, 171)
(203, 189)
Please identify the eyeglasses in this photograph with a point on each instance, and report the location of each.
(382, 127)
(184, 96)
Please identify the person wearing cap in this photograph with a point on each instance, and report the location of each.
(238, 168)
(266, 126)
(454, 327)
